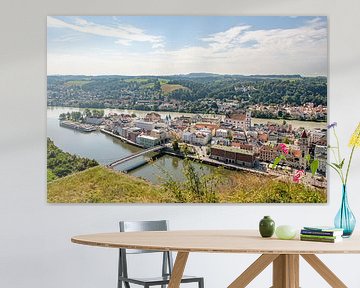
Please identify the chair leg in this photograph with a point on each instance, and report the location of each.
(201, 283)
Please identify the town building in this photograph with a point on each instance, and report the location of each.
(94, 120)
(159, 133)
(197, 137)
(248, 147)
(202, 138)
(239, 136)
(233, 155)
(263, 137)
(222, 133)
(273, 137)
(152, 117)
(320, 153)
(304, 148)
(144, 125)
(213, 120)
(188, 137)
(268, 153)
(122, 131)
(147, 141)
(132, 133)
(221, 141)
(317, 135)
(239, 120)
(210, 126)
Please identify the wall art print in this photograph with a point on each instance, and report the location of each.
(180, 109)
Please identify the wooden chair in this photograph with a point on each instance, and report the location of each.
(167, 262)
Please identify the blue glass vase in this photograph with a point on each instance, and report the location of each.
(345, 219)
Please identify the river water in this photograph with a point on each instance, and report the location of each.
(106, 149)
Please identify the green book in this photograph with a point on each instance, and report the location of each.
(325, 240)
(319, 236)
(324, 229)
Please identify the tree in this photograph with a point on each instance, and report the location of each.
(60, 163)
(175, 145)
(157, 85)
(75, 116)
(87, 113)
(98, 113)
(62, 116)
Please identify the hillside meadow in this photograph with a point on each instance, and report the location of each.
(103, 185)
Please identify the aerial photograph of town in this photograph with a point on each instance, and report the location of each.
(187, 109)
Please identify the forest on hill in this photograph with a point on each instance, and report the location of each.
(170, 93)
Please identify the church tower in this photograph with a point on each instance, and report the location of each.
(304, 148)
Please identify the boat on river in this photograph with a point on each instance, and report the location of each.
(77, 126)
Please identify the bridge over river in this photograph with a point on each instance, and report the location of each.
(135, 155)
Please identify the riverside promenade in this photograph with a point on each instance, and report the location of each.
(121, 138)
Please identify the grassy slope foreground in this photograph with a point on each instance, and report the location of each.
(247, 188)
(102, 185)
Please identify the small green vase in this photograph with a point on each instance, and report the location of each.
(266, 227)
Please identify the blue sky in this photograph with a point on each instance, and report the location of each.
(162, 45)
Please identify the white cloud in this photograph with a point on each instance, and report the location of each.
(125, 34)
(223, 40)
(238, 50)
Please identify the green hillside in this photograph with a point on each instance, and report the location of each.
(103, 185)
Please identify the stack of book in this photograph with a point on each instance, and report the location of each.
(321, 234)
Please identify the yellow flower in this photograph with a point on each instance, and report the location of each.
(355, 138)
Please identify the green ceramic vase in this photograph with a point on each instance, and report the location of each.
(267, 227)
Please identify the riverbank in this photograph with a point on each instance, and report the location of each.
(121, 138)
(77, 126)
(167, 112)
(215, 163)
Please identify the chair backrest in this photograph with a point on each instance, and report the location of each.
(135, 226)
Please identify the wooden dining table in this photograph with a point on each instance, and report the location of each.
(283, 254)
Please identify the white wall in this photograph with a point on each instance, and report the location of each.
(35, 248)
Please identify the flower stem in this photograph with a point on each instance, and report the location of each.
(348, 166)
(338, 146)
(350, 159)
(337, 171)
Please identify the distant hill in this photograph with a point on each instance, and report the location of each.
(201, 75)
(193, 92)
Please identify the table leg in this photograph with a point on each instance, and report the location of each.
(286, 271)
(178, 270)
(253, 270)
(324, 271)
